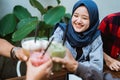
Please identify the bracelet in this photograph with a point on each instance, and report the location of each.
(12, 53)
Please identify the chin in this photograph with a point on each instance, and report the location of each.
(78, 31)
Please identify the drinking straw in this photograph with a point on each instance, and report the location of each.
(48, 46)
(36, 31)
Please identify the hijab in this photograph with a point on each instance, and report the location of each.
(74, 38)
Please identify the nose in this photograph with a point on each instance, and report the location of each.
(79, 20)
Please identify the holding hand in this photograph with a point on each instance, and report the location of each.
(18, 53)
(38, 72)
(68, 62)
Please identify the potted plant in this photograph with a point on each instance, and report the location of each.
(20, 24)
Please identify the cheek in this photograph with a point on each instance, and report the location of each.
(73, 22)
(86, 24)
(73, 19)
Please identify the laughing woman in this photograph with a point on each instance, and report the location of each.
(83, 38)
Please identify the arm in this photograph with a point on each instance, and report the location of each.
(112, 63)
(5, 49)
(96, 61)
(87, 73)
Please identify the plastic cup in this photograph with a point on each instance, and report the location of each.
(29, 44)
(57, 50)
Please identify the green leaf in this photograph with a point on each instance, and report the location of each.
(26, 22)
(21, 12)
(25, 27)
(7, 24)
(37, 5)
(54, 15)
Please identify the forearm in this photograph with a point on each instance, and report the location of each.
(106, 57)
(88, 73)
(5, 48)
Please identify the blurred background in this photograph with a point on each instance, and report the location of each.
(105, 6)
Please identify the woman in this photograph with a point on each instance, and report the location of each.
(83, 39)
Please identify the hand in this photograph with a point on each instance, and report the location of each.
(68, 62)
(113, 64)
(20, 54)
(38, 72)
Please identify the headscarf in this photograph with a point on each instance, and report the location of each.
(88, 36)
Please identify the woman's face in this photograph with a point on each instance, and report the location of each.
(80, 19)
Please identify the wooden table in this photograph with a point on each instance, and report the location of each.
(60, 75)
(115, 74)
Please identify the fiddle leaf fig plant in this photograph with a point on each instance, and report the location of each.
(25, 27)
(21, 12)
(38, 5)
(7, 24)
(21, 24)
(54, 15)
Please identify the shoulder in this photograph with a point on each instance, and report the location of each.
(58, 30)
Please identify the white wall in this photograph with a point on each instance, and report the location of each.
(6, 6)
(105, 6)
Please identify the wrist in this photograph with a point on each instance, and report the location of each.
(13, 53)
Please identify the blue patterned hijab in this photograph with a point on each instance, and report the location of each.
(88, 36)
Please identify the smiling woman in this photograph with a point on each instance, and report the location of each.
(80, 19)
(83, 39)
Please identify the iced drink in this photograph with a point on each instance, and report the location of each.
(29, 44)
(57, 50)
(37, 58)
(34, 50)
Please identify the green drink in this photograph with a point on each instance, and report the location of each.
(57, 50)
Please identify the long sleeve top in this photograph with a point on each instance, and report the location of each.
(92, 54)
(91, 73)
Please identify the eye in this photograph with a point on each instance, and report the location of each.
(85, 18)
(75, 15)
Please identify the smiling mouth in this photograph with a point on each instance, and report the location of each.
(79, 26)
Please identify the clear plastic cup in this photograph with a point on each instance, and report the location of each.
(57, 50)
(29, 44)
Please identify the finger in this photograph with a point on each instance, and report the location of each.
(114, 67)
(111, 68)
(118, 64)
(24, 57)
